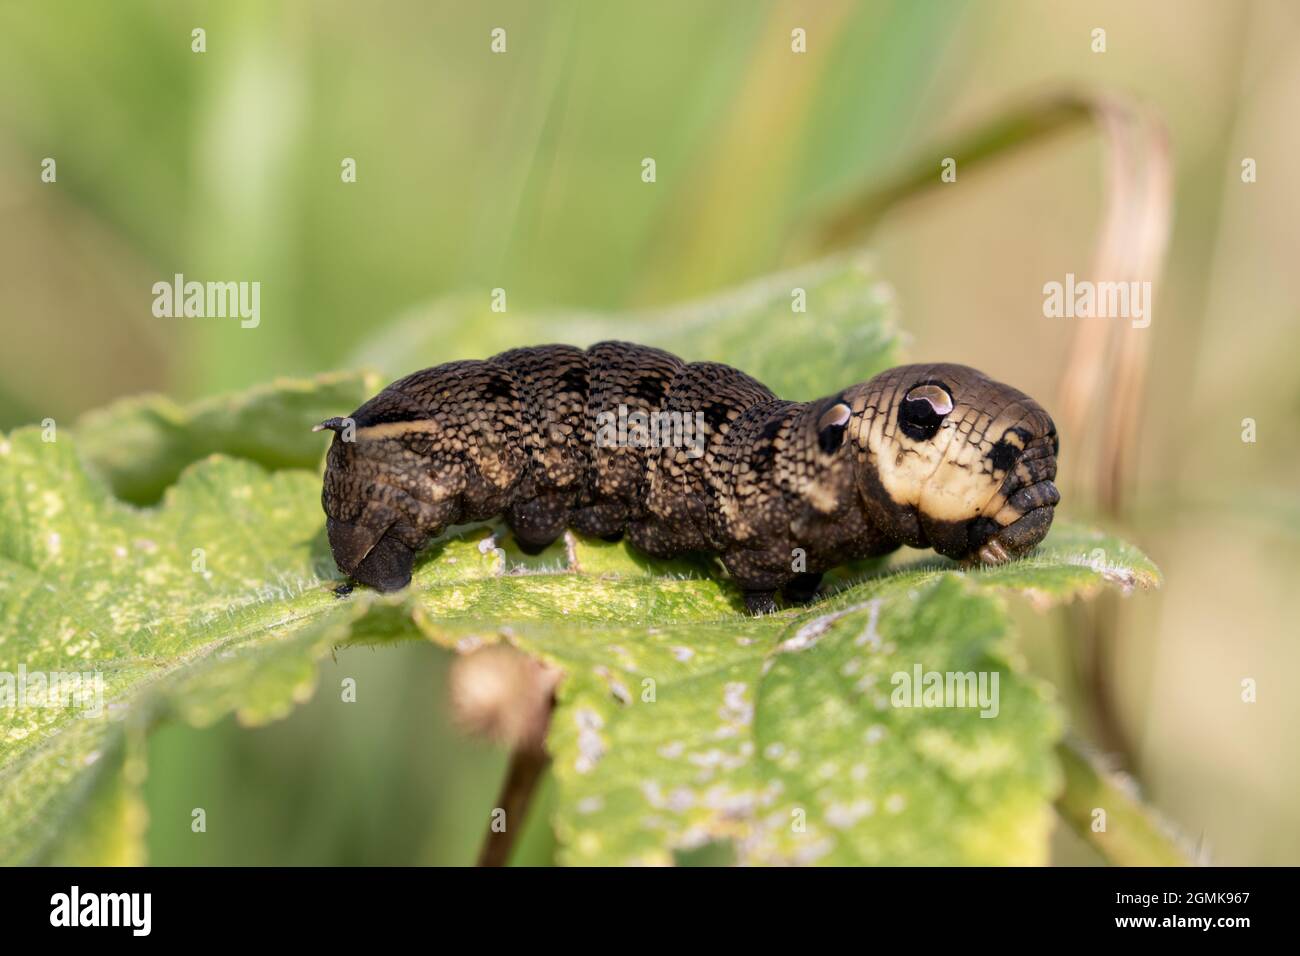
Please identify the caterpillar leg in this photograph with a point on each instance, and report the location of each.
(758, 574)
(537, 522)
(388, 565)
(1016, 538)
(371, 552)
(533, 548)
(599, 519)
(802, 588)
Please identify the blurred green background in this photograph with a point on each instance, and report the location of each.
(522, 171)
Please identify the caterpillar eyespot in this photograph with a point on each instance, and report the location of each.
(831, 427)
(622, 439)
(924, 408)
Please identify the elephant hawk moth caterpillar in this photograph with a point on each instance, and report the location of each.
(937, 456)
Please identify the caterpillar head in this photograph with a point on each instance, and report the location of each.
(371, 514)
(947, 458)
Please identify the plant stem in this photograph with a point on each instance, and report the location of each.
(1134, 834)
(527, 764)
(1093, 629)
(847, 221)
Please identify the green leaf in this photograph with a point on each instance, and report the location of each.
(219, 600)
(142, 444)
(92, 586)
(758, 724)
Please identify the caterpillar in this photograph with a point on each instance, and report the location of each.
(555, 437)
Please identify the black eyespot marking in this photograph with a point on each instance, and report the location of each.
(1003, 455)
(830, 438)
(647, 390)
(498, 387)
(831, 427)
(763, 459)
(923, 409)
(715, 414)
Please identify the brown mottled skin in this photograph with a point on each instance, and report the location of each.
(925, 455)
